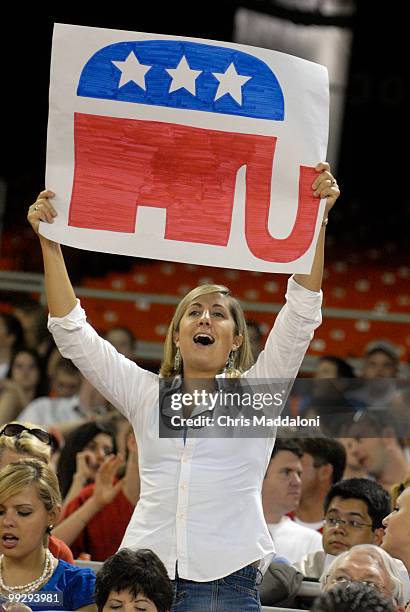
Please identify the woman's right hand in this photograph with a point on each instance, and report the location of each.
(41, 210)
(15, 390)
(106, 487)
(6, 384)
(61, 298)
(84, 472)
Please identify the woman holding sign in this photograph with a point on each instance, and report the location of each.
(200, 508)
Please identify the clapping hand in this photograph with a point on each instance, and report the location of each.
(106, 489)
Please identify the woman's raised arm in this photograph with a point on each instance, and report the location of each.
(117, 378)
(59, 290)
(324, 186)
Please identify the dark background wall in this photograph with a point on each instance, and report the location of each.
(374, 160)
(25, 70)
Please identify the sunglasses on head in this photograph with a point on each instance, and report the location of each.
(14, 430)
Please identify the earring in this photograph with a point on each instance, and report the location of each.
(177, 360)
(230, 365)
(49, 529)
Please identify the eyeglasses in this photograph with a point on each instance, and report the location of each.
(14, 430)
(350, 524)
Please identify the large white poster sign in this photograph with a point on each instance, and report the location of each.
(184, 149)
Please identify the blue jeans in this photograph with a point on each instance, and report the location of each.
(234, 593)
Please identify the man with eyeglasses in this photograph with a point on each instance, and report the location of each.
(371, 565)
(353, 513)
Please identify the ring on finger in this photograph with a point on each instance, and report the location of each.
(36, 207)
(333, 182)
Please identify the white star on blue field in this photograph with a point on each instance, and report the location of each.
(188, 75)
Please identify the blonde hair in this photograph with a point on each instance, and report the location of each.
(19, 475)
(242, 356)
(26, 444)
(398, 489)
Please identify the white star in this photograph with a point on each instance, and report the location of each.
(183, 77)
(132, 70)
(230, 83)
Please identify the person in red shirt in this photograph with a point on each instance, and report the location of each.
(94, 522)
(60, 550)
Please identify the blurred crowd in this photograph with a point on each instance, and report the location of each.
(337, 504)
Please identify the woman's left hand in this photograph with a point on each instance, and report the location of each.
(325, 186)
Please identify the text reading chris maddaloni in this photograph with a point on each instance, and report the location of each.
(256, 420)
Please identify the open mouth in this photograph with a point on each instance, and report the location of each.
(204, 339)
(9, 541)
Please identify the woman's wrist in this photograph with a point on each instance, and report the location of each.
(81, 520)
(95, 504)
(79, 480)
(47, 243)
(84, 514)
